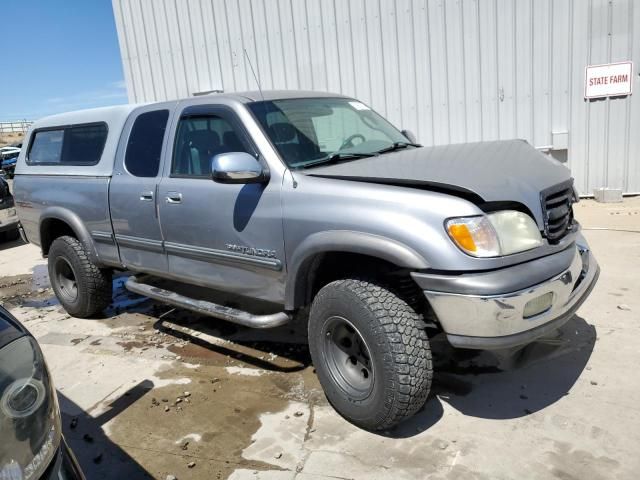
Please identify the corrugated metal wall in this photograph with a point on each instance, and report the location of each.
(451, 71)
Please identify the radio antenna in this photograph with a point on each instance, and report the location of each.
(254, 73)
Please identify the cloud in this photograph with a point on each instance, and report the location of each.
(113, 90)
(111, 94)
(121, 84)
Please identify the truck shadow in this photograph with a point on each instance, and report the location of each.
(508, 384)
(485, 384)
(497, 385)
(210, 338)
(99, 457)
(249, 346)
(246, 203)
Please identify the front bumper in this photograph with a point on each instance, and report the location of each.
(498, 320)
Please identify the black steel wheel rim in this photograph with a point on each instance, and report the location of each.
(348, 357)
(66, 279)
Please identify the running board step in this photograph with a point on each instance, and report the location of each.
(208, 308)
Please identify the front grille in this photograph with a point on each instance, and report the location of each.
(557, 209)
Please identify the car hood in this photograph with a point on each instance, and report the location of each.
(499, 171)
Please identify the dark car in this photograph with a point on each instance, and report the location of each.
(8, 218)
(8, 158)
(8, 165)
(31, 442)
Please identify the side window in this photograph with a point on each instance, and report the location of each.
(144, 147)
(199, 139)
(73, 145)
(83, 144)
(46, 147)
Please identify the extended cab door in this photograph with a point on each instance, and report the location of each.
(223, 236)
(133, 191)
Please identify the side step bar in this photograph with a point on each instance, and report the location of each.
(208, 308)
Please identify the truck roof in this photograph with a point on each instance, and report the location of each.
(114, 113)
(115, 117)
(90, 115)
(256, 95)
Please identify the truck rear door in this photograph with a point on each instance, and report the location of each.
(133, 191)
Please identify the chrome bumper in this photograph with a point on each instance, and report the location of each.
(498, 321)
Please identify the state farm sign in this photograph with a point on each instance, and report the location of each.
(609, 80)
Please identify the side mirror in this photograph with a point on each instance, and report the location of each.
(410, 136)
(237, 167)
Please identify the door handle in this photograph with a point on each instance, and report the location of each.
(174, 197)
(146, 196)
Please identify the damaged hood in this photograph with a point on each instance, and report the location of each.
(497, 171)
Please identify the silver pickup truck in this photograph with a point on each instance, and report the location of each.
(316, 206)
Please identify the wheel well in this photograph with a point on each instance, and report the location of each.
(51, 229)
(324, 268)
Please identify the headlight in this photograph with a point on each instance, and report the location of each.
(29, 415)
(494, 234)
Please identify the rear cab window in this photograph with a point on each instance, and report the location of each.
(68, 145)
(144, 148)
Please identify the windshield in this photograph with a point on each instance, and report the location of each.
(309, 131)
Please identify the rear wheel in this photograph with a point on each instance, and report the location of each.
(82, 288)
(371, 353)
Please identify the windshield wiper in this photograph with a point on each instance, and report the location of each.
(398, 146)
(337, 157)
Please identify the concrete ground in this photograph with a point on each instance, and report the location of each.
(149, 391)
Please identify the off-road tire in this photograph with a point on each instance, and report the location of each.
(396, 340)
(94, 287)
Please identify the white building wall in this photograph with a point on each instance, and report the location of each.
(450, 70)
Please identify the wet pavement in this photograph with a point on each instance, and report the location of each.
(150, 391)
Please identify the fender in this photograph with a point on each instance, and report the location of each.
(76, 224)
(349, 242)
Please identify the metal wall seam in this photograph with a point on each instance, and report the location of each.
(124, 50)
(633, 158)
(454, 61)
(618, 113)
(158, 50)
(152, 49)
(134, 56)
(209, 45)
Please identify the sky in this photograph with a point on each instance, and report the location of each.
(57, 56)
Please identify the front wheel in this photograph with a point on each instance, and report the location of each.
(371, 353)
(82, 288)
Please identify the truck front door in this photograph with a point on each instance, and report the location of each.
(223, 236)
(133, 191)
